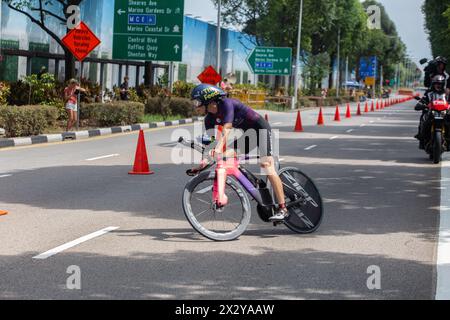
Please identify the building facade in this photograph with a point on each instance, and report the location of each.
(17, 32)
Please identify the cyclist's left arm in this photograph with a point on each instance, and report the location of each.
(222, 142)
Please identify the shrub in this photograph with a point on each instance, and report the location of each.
(167, 106)
(182, 107)
(42, 88)
(306, 103)
(19, 93)
(183, 89)
(4, 93)
(27, 120)
(118, 113)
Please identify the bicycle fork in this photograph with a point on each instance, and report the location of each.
(219, 196)
(223, 169)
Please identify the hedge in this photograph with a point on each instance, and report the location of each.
(169, 106)
(117, 113)
(26, 121)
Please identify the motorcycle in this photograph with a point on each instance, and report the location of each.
(437, 116)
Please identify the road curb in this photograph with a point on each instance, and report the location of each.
(443, 247)
(83, 135)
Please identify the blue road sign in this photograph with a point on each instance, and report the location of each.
(368, 67)
(264, 65)
(142, 19)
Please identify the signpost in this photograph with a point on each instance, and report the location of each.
(81, 41)
(271, 61)
(150, 30)
(368, 67)
(368, 71)
(210, 76)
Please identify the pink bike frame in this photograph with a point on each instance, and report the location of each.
(230, 167)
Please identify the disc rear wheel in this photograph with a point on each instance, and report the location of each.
(303, 200)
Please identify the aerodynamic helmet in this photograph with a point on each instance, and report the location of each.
(204, 94)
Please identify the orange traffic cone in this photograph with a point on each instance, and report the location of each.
(373, 107)
(358, 112)
(3, 213)
(141, 165)
(378, 106)
(337, 115)
(367, 107)
(320, 122)
(267, 117)
(299, 125)
(348, 114)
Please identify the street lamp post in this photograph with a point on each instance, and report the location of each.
(297, 59)
(338, 77)
(219, 22)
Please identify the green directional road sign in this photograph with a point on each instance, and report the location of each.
(271, 61)
(150, 30)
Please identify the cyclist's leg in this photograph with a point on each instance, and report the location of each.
(268, 165)
(267, 162)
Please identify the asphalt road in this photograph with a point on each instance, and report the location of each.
(381, 194)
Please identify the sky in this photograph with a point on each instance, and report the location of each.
(406, 14)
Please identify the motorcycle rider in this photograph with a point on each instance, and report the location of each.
(231, 113)
(438, 86)
(437, 67)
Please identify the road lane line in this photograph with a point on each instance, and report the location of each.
(310, 148)
(74, 243)
(334, 138)
(278, 123)
(5, 175)
(363, 125)
(350, 131)
(443, 255)
(104, 157)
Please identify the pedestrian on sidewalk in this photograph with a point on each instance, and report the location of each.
(71, 102)
(125, 89)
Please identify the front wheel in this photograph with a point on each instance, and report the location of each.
(307, 212)
(218, 224)
(437, 147)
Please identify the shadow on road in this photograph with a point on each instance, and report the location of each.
(217, 274)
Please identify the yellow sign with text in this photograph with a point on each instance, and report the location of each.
(370, 81)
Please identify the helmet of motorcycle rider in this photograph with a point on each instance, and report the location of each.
(438, 83)
(204, 94)
(441, 59)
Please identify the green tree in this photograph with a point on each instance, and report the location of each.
(41, 12)
(437, 25)
(385, 43)
(316, 69)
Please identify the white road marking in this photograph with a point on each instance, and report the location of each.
(350, 131)
(443, 258)
(363, 125)
(282, 159)
(103, 157)
(74, 243)
(5, 175)
(334, 138)
(310, 147)
(372, 122)
(278, 123)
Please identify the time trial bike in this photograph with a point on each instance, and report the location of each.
(216, 204)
